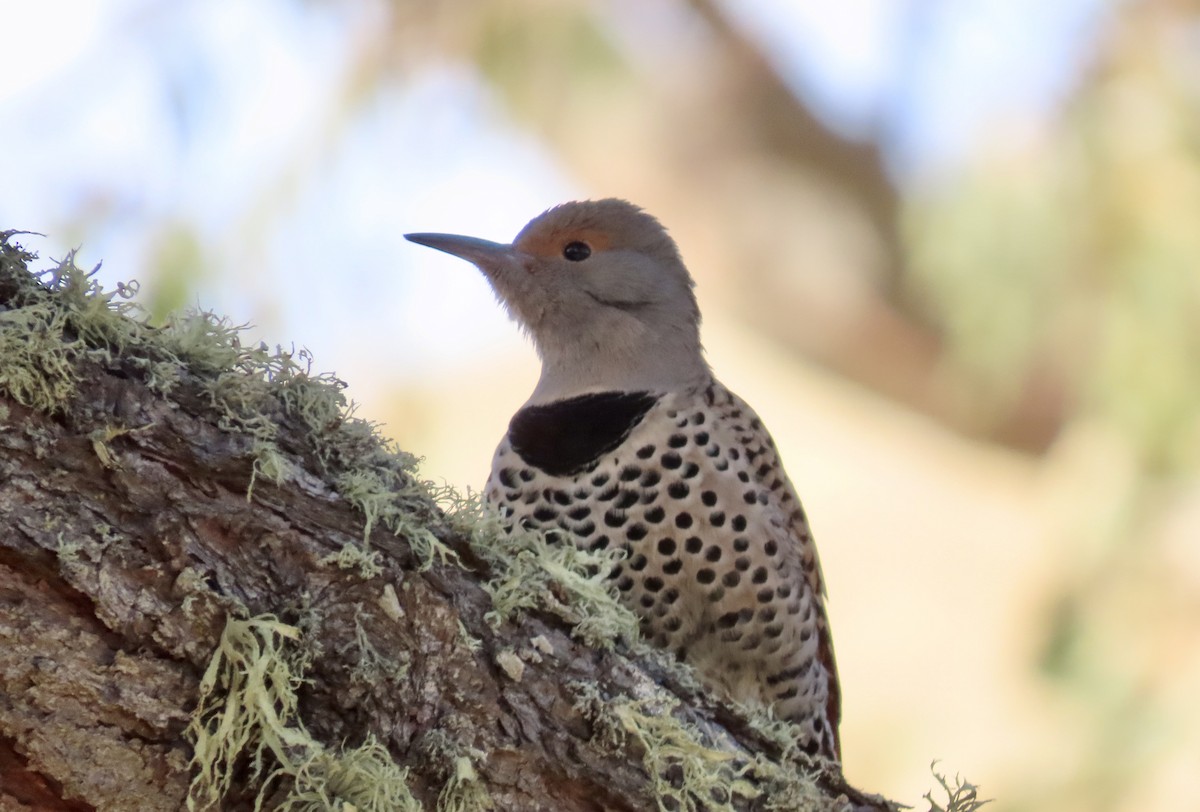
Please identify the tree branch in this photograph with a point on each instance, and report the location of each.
(142, 591)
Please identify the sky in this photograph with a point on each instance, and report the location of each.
(126, 119)
(926, 77)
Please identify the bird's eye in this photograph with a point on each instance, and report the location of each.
(577, 251)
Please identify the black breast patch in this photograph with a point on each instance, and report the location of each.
(566, 436)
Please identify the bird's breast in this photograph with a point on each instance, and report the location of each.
(566, 436)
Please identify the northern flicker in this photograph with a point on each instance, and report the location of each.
(628, 441)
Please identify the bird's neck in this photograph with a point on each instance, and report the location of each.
(659, 370)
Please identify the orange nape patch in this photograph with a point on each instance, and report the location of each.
(548, 243)
(605, 225)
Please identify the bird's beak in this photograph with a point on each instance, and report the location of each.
(488, 256)
(507, 269)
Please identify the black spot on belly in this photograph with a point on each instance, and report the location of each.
(567, 436)
(627, 500)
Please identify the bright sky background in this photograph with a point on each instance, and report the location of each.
(122, 116)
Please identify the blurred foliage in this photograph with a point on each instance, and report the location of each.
(180, 265)
(1077, 255)
(1072, 255)
(555, 59)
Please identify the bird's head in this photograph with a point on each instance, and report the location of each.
(601, 289)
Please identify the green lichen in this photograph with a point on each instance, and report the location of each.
(247, 705)
(785, 735)
(532, 571)
(464, 792)
(791, 786)
(52, 323)
(684, 773)
(68, 551)
(961, 795)
(469, 640)
(385, 497)
(355, 780)
(356, 556)
(373, 666)
(248, 709)
(104, 435)
(38, 367)
(691, 768)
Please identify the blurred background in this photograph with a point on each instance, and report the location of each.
(948, 249)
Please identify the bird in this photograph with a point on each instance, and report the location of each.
(628, 441)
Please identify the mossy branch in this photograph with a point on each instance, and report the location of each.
(238, 595)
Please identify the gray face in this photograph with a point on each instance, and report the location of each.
(602, 291)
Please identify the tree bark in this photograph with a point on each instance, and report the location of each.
(128, 543)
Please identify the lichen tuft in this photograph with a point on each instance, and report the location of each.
(248, 708)
(961, 795)
(533, 571)
(685, 774)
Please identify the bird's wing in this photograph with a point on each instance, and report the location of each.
(768, 472)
